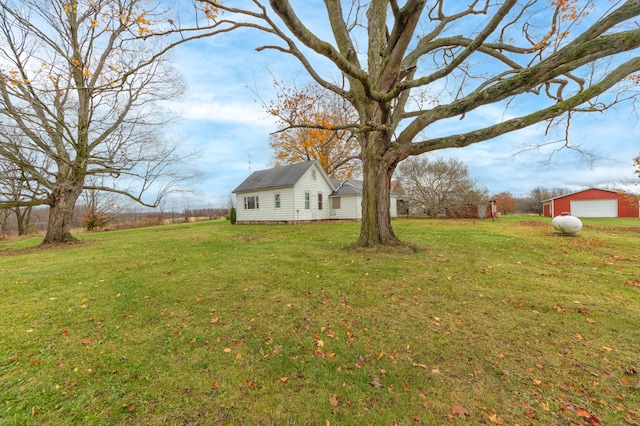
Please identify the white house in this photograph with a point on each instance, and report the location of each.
(298, 193)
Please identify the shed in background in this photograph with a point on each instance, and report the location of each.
(593, 202)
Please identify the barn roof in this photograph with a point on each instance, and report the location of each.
(578, 192)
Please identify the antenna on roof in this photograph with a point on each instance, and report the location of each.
(249, 163)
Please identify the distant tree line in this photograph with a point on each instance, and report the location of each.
(99, 212)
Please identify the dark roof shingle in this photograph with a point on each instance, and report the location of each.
(278, 177)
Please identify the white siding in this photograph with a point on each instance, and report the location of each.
(266, 210)
(291, 201)
(350, 208)
(393, 208)
(313, 187)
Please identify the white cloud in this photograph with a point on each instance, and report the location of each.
(227, 112)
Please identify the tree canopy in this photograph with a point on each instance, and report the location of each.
(414, 69)
(315, 125)
(81, 83)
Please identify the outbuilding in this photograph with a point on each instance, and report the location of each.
(593, 202)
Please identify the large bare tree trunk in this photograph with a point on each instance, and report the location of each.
(62, 202)
(376, 228)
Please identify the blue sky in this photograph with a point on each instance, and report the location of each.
(222, 119)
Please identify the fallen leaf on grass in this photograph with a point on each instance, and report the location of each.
(333, 401)
(493, 418)
(582, 412)
(593, 420)
(591, 321)
(13, 357)
(215, 385)
(459, 411)
(376, 383)
(250, 384)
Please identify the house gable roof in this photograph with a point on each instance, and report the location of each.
(351, 187)
(348, 187)
(278, 177)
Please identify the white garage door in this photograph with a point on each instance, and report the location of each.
(594, 208)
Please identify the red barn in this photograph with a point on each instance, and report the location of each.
(593, 202)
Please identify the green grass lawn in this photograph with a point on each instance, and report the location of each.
(501, 322)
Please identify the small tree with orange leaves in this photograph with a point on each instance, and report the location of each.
(312, 122)
(505, 202)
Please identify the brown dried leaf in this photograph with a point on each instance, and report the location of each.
(333, 401)
(493, 418)
(459, 411)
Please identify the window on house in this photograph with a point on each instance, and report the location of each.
(277, 201)
(319, 201)
(313, 174)
(335, 203)
(251, 203)
(307, 201)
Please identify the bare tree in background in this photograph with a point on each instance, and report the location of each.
(80, 83)
(532, 203)
(18, 193)
(99, 208)
(434, 185)
(418, 71)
